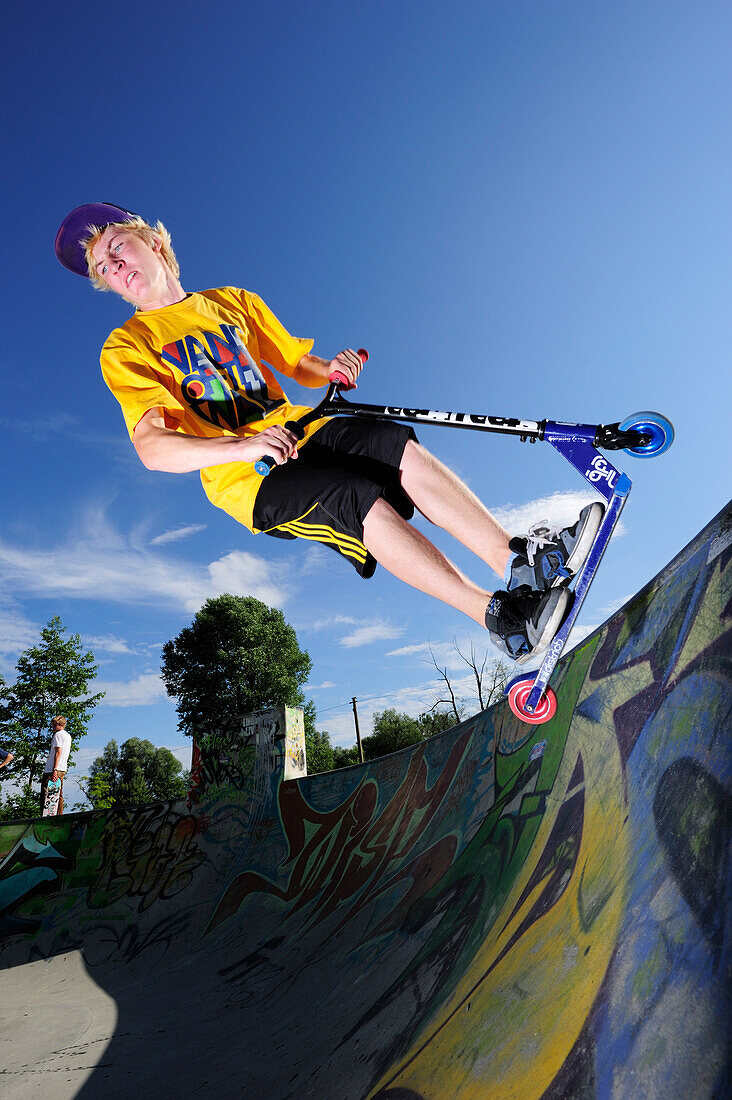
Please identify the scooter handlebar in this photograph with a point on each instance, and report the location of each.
(266, 463)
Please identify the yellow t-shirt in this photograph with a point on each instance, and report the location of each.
(208, 363)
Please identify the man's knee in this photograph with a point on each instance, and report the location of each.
(382, 519)
(379, 509)
(418, 464)
(413, 452)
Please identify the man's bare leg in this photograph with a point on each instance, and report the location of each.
(408, 555)
(446, 501)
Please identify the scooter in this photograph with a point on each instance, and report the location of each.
(643, 435)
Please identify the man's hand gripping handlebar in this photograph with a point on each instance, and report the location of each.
(337, 380)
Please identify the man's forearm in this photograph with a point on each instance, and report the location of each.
(161, 448)
(173, 452)
(312, 371)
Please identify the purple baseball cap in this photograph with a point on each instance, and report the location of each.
(75, 227)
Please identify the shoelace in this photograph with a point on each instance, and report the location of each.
(539, 536)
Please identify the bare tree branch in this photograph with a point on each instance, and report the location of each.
(490, 680)
(478, 673)
(452, 700)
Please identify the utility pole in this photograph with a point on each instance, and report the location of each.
(358, 731)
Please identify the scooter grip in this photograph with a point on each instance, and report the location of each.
(264, 464)
(341, 379)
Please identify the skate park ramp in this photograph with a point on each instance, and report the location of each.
(471, 917)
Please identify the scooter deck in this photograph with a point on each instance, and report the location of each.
(582, 585)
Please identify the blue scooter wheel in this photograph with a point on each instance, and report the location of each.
(653, 424)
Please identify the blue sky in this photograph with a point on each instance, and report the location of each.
(519, 209)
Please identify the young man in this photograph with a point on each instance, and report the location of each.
(57, 760)
(195, 376)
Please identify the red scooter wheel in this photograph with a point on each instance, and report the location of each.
(519, 693)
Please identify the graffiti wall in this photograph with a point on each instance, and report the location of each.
(245, 755)
(472, 917)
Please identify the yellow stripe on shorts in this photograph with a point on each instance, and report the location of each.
(320, 532)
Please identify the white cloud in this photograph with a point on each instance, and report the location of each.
(315, 559)
(62, 423)
(368, 633)
(17, 633)
(177, 533)
(107, 643)
(98, 562)
(320, 687)
(444, 653)
(367, 630)
(85, 757)
(422, 648)
(559, 509)
(242, 574)
(611, 608)
(144, 689)
(331, 621)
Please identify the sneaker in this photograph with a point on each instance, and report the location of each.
(550, 556)
(523, 622)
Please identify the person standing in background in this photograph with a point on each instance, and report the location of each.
(57, 761)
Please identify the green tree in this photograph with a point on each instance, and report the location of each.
(344, 758)
(149, 771)
(21, 805)
(392, 731)
(101, 783)
(436, 721)
(51, 678)
(4, 713)
(237, 656)
(318, 750)
(137, 773)
(98, 790)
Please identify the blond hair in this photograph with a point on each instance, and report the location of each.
(140, 228)
(59, 720)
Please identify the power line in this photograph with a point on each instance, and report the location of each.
(366, 699)
(387, 695)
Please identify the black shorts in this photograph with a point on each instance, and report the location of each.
(326, 493)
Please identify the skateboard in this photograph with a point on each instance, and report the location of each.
(51, 801)
(642, 435)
